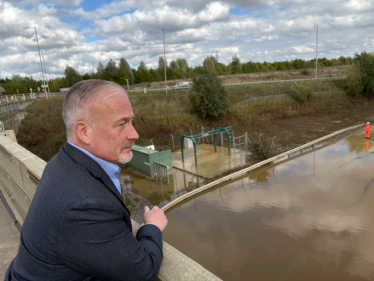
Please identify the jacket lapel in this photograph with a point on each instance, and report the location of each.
(94, 168)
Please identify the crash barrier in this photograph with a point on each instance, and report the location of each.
(240, 173)
(20, 172)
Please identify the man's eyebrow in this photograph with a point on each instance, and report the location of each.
(126, 119)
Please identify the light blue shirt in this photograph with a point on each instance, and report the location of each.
(111, 169)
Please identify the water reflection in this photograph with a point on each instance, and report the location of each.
(139, 191)
(367, 145)
(306, 219)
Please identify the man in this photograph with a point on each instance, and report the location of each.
(367, 130)
(77, 227)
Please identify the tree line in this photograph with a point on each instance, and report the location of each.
(209, 98)
(124, 75)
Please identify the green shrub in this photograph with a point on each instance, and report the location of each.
(353, 83)
(208, 97)
(43, 130)
(305, 72)
(365, 64)
(11, 88)
(300, 93)
(262, 149)
(360, 79)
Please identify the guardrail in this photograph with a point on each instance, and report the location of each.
(20, 172)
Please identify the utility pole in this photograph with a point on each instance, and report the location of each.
(166, 83)
(40, 58)
(46, 78)
(316, 26)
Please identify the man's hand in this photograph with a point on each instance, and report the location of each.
(155, 216)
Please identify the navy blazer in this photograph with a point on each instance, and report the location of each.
(78, 228)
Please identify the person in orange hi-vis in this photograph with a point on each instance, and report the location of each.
(367, 130)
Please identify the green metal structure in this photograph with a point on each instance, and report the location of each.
(211, 133)
(144, 160)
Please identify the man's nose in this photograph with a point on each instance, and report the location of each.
(133, 134)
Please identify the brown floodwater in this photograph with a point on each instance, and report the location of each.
(307, 218)
(310, 218)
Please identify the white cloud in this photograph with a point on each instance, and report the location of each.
(359, 5)
(213, 12)
(113, 8)
(302, 49)
(271, 30)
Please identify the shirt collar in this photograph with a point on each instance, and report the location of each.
(111, 169)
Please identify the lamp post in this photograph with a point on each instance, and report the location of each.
(40, 58)
(46, 78)
(166, 83)
(316, 26)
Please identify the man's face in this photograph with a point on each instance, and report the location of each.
(111, 131)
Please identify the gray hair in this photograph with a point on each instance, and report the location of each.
(75, 102)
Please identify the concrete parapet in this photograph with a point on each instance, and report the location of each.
(20, 172)
(10, 134)
(14, 106)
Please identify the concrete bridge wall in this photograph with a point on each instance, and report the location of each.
(13, 106)
(20, 172)
(11, 113)
(15, 102)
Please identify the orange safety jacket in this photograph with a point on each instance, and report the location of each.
(367, 130)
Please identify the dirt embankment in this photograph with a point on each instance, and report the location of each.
(293, 132)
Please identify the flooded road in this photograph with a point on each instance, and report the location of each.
(310, 218)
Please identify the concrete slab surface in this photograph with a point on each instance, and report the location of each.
(211, 164)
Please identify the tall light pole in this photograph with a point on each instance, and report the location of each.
(46, 78)
(40, 56)
(166, 83)
(316, 26)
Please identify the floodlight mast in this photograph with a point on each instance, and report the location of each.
(166, 83)
(316, 26)
(40, 58)
(45, 72)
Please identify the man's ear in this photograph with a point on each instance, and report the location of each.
(83, 132)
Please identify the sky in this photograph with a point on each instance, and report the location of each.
(82, 33)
